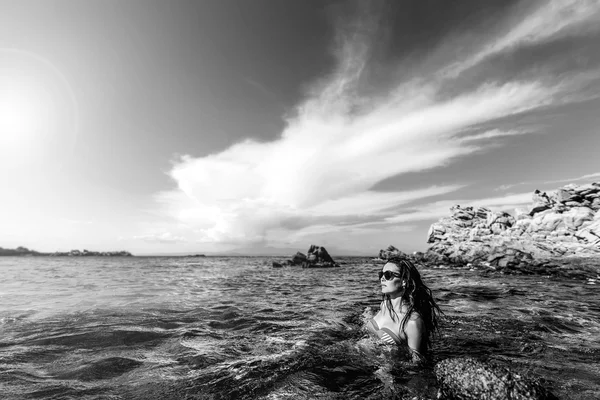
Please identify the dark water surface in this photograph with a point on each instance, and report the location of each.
(234, 328)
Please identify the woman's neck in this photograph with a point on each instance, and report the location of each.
(397, 303)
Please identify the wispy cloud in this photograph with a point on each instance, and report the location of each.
(260, 87)
(386, 228)
(550, 19)
(493, 133)
(319, 175)
(435, 210)
(78, 221)
(586, 177)
(165, 237)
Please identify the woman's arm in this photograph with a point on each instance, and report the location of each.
(415, 330)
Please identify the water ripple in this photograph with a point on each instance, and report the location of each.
(235, 328)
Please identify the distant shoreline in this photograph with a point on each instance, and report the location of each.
(25, 252)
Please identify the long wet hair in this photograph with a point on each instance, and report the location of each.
(417, 297)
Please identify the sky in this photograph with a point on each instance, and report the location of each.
(264, 126)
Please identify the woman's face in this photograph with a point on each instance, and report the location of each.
(393, 286)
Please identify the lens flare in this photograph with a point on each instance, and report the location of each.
(38, 112)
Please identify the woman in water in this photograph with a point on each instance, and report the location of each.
(408, 315)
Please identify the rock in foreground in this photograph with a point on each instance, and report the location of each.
(469, 379)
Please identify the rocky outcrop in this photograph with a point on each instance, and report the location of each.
(557, 224)
(23, 251)
(470, 379)
(19, 251)
(316, 257)
(298, 259)
(86, 253)
(390, 252)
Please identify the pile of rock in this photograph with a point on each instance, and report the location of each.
(316, 257)
(562, 223)
(390, 252)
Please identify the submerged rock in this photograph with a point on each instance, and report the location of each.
(470, 379)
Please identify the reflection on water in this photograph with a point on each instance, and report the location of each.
(236, 328)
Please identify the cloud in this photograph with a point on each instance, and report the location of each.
(551, 19)
(387, 228)
(370, 202)
(493, 133)
(318, 176)
(78, 222)
(356, 237)
(586, 177)
(165, 237)
(260, 87)
(441, 209)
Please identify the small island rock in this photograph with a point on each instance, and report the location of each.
(390, 252)
(316, 257)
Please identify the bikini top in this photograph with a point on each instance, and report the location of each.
(384, 334)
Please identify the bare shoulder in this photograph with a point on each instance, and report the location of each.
(415, 316)
(415, 323)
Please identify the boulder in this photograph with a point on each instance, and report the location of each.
(319, 254)
(588, 237)
(436, 231)
(577, 216)
(390, 252)
(469, 379)
(298, 259)
(500, 218)
(318, 257)
(562, 196)
(482, 212)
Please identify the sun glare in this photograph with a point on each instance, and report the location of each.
(23, 111)
(37, 111)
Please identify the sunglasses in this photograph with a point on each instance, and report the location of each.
(389, 275)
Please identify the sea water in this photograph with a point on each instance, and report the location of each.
(236, 328)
